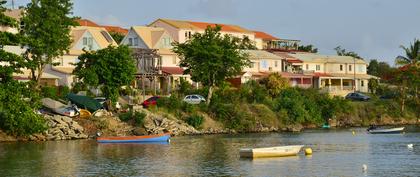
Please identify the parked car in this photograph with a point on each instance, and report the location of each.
(357, 96)
(387, 96)
(194, 99)
(151, 101)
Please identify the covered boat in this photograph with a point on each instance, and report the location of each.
(135, 139)
(85, 102)
(278, 151)
(375, 130)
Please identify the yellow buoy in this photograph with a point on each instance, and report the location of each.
(353, 132)
(308, 151)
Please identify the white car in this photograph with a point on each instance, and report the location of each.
(194, 99)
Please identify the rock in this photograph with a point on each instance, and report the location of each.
(139, 131)
(294, 128)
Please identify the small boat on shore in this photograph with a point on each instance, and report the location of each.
(278, 151)
(375, 130)
(135, 139)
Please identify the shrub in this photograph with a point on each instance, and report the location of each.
(49, 92)
(126, 116)
(195, 120)
(17, 110)
(139, 118)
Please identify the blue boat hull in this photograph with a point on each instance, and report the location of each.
(163, 138)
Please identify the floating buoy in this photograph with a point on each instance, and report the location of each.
(364, 167)
(410, 146)
(353, 132)
(308, 151)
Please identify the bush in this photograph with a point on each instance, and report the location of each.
(17, 110)
(49, 92)
(139, 118)
(195, 120)
(126, 116)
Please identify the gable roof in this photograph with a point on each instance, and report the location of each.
(261, 54)
(313, 57)
(183, 24)
(98, 34)
(263, 35)
(149, 35)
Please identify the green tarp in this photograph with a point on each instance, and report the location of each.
(84, 102)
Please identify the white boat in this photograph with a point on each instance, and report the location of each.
(278, 151)
(385, 130)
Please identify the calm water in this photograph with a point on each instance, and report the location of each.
(336, 153)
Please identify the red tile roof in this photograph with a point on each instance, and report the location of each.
(117, 29)
(321, 75)
(263, 35)
(294, 61)
(203, 25)
(173, 70)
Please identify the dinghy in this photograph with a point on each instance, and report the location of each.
(279, 151)
(135, 139)
(374, 130)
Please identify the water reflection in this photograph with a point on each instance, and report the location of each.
(335, 153)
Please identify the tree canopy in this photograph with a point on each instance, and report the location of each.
(47, 32)
(412, 54)
(275, 84)
(211, 57)
(118, 37)
(342, 52)
(109, 68)
(308, 48)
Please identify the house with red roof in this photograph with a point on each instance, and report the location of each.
(114, 29)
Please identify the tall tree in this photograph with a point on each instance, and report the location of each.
(211, 57)
(246, 43)
(47, 32)
(275, 84)
(109, 68)
(308, 48)
(342, 52)
(412, 54)
(118, 37)
(14, 62)
(373, 68)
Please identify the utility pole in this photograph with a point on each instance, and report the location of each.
(354, 69)
(13, 4)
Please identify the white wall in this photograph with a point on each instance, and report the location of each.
(132, 34)
(174, 32)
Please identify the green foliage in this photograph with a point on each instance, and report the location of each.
(17, 110)
(342, 52)
(210, 58)
(373, 85)
(139, 118)
(412, 54)
(195, 120)
(308, 48)
(275, 84)
(246, 43)
(109, 68)
(118, 37)
(47, 32)
(253, 92)
(49, 92)
(184, 87)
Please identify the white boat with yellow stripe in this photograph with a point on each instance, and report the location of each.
(278, 151)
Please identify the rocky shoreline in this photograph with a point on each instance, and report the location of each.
(65, 128)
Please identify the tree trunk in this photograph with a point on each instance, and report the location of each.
(209, 95)
(39, 75)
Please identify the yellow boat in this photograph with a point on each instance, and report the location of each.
(278, 151)
(84, 114)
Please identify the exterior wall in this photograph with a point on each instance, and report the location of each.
(259, 43)
(335, 68)
(308, 66)
(170, 60)
(264, 65)
(79, 45)
(9, 29)
(131, 34)
(163, 42)
(174, 32)
(67, 60)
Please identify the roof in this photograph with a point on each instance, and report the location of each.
(295, 75)
(173, 70)
(15, 13)
(263, 35)
(149, 35)
(317, 58)
(261, 54)
(183, 24)
(117, 29)
(98, 34)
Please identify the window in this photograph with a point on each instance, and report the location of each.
(349, 67)
(252, 64)
(341, 67)
(189, 34)
(186, 34)
(318, 67)
(264, 64)
(85, 41)
(276, 64)
(362, 83)
(136, 41)
(307, 67)
(130, 41)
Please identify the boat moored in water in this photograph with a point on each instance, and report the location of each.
(278, 151)
(136, 139)
(375, 130)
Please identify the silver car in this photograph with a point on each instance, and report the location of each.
(194, 99)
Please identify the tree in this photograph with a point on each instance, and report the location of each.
(342, 52)
(109, 68)
(14, 62)
(246, 43)
(373, 68)
(47, 33)
(118, 37)
(373, 85)
(412, 54)
(308, 48)
(275, 84)
(210, 58)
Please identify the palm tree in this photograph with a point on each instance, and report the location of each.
(412, 54)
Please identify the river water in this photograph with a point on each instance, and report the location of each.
(336, 152)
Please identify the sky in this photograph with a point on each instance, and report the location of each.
(374, 29)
